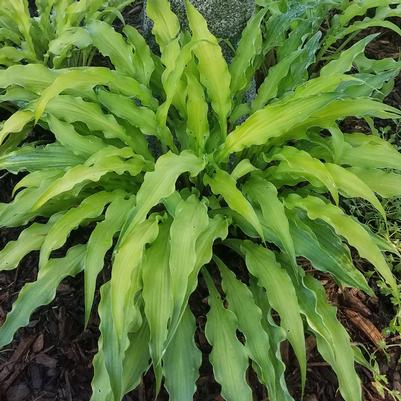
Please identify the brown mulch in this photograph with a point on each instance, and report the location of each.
(51, 358)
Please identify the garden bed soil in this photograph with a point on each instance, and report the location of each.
(51, 358)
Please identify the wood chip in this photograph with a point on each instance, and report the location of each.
(365, 326)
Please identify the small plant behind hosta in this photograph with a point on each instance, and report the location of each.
(54, 35)
(266, 189)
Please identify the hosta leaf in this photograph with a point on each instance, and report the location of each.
(90, 208)
(69, 138)
(182, 361)
(112, 44)
(75, 36)
(241, 302)
(197, 111)
(333, 341)
(249, 47)
(383, 183)
(350, 229)
(224, 184)
(269, 88)
(32, 77)
(228, 357)
(299, 164)
(165, 23)
(190, 221)
(318, 242)
(40, 292)
(137, 358)
(160, 183)
(214, 76)
(276, 336)
(125, 277)
(15, 123)
(370, 151)
(346, 58)
(125, 108)
(175, 59)
(243, 168)
(350, 107)
(74, 109)
(262, 264)
(100, 241)
(142, 58)
(273, 121)
(107, 383)
(31, 239)
(93, 172)
(30, 158)
(157, 296)
(265, 195)
(351, 186)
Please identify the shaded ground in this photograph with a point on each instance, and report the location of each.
(51, 358)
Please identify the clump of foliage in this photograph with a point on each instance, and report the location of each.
(55, 36)
(162, 158)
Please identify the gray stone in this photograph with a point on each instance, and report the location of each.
(226, 18)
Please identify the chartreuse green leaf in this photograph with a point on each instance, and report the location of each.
(228, 357)
(142, 58)
(350, 229)
(243, 168)
(299, 164)
(273, 121)
(270, 86)
(385, 184)
(85, 145)
(317, 241)
(214, 76)
(40, 292)
(106, 160)
(100, 241)
(31, 158)
(369, 151)
(125, 108)
(182, 360)
(112, 44)
(126, 274)
(118, 323)
(31, 239)
(190, 221)
(262, 264)
(216, 229)
(241, 302)
(166, 26)
(346, 58)
(16, 123)
(276, 336)
(224, 184)
(351, 186)
(197, 112)
(32, 77)
(249, 48)
(74, 109)
(157, 296)
(90, 208)
(160, 183)
(333, 341)
(265, 195)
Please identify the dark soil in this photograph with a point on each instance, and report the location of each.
(51, 358)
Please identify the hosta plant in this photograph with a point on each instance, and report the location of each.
(52, 35)
(166, 163)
